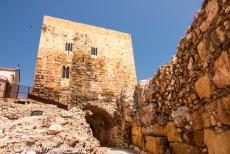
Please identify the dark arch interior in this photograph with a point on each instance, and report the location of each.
(100, 123)
(98, 127)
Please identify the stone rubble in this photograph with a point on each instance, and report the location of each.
(55, 131)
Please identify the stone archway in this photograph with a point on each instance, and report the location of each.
(101, 123)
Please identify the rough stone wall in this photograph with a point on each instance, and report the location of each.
(185, 107)
(90, 76)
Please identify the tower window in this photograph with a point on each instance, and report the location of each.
(93, 51)
(65, 72)
(68, 46)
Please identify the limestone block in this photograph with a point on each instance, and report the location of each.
(181, 116)
(206, 120)
(155, 145)
(136, 131)
(138, 140)
(223, 110)
(54, 129)
(222, 71)
(201, 48)
(198, 137)
(220, 33)
(203, 87)
(172, 133)
(217, 143)
(197, 120)
(155, 130)
(181, 148)
(211, 11)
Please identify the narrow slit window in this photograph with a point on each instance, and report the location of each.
(67, 72)
(63, 72)
(93, 51)
(68, 47)
(71, 46)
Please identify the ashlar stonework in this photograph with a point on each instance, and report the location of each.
(78, 62)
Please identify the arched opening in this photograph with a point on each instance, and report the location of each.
(100, 122)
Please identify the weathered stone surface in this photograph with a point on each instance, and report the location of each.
(137, 131)
(98, 76)
(198, 137)
(126, 103)
(147, 114)
(155, 145)
(222, 71)
(217, 142)
(86, 66)
(181, 148)
(223, 110)
(211, 10)
(181, 116)
(203, 87)
(206, 120)
(197, 120)
(156, 130)
(54, 129)
(138, 140)
(187, 91)
(201, 47)
(29, 131)
(220, 34)
(172, 133)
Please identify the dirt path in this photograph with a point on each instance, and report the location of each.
(118, 151)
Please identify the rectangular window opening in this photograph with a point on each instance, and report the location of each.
(65, 72)
(93, 51)
(68, 46)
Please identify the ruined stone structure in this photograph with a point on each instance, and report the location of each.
(185, 107)
(84, 61)
(88, 66)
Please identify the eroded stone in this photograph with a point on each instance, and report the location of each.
(223, 110)
(222, 71)
(181, 148)
(211, 11)
(217, 143)
(203, 87)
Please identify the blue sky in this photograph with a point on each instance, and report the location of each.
(156, 27)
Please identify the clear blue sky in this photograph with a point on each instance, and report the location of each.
(156, 27)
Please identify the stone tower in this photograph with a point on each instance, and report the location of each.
(82, 62)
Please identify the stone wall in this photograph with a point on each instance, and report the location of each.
(185, 107)
(91, 77)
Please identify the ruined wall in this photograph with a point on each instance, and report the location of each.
(90, 76)
(185, 107)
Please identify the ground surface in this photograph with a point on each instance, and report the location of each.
(22, 129)
(114, 150)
